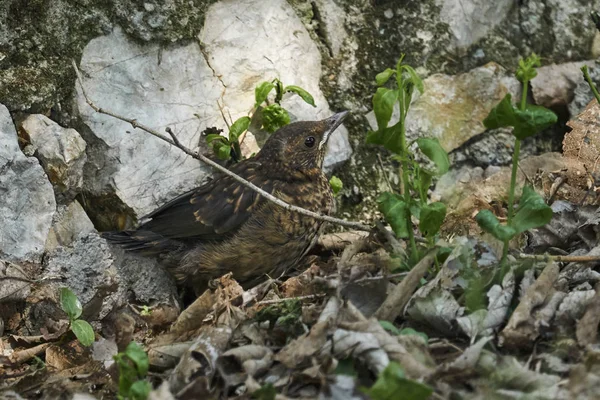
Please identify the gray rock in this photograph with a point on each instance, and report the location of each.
(582, 94)
(471, 20)
(61, 152)
(555, 84)
(90, 265)
(27, 202)
(69, 222)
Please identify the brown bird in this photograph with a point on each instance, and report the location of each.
(224, 226)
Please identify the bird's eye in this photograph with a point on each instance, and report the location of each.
(309, 141)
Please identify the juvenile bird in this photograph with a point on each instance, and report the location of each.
(224, 226)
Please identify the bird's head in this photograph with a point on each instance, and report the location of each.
(301, 145)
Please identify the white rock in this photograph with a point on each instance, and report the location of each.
(555, 84)
(27, 201)
(61, 151)
(242, 44)
(250, 41)
(331, 18)
(471, 20)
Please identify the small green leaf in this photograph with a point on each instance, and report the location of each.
(383, 106)
(526, 70)
(533, 212)
(239, 127)
(431, 218)
(392, 384)
(387, 137)
(140, 390)
(388, 326)
(489, 223)
(432, 148)
(224, 151)
(302, 93)
(139, 357)
(414, 78)
(274, 117)
(394, 209)
(261, 92)
(411, 331)
(70, 303)
(526, 122)
(266, 392)
(83, 331)
(213, 136)
(382, 77)
(336, 184)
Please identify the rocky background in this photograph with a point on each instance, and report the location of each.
(67, 172)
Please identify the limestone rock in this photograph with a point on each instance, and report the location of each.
(27, 202)
(555, 84)
(61, 152)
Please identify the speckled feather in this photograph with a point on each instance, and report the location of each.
(224, 226)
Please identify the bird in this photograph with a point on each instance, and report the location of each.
(224, 226)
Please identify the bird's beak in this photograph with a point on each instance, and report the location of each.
(332, 123)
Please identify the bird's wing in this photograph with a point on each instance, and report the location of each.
(213, 210)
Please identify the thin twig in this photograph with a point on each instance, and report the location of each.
(307, 297)
(384, 173)
(548, 257)
(135, 124)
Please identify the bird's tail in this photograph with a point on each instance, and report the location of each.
(145, 242)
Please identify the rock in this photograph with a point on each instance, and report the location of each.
(453, 108)
(184, 91)
(61, 152)
(89, 265)
(471, 20)
(331, 23)
(582, 94)
(235, 32)
(27, 202)
(69, 222)
(555, 84)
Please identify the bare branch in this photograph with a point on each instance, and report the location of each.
(206, 160)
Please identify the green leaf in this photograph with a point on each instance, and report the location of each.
(411, 331)
(266, 392)
(83, 331)
(489, 223)
(388, 326)
(261, 92)
(387, 137)
(214, 136)
(383, 106)
(239, 127)
(392, 384)
(140, 390)
(414, 78)
(139, 357)
(70, 303)
(224, 151)
(533, 212)
(526, 122)
(394, 209)
(336, 184)
(526, 70)
(302, 93)
(274, 117)
(382, 77)
(432, 148)
(431, 218)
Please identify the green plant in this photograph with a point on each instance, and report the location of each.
(269, 117)
(133, 366)
(72, 307)
(399, 209)
(336, 185)
(526, 120)
(393, 384)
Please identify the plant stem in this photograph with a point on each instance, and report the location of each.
(414, 256)
(587, 77)
(513, 177)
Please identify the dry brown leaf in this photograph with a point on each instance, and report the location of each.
(587, 326)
